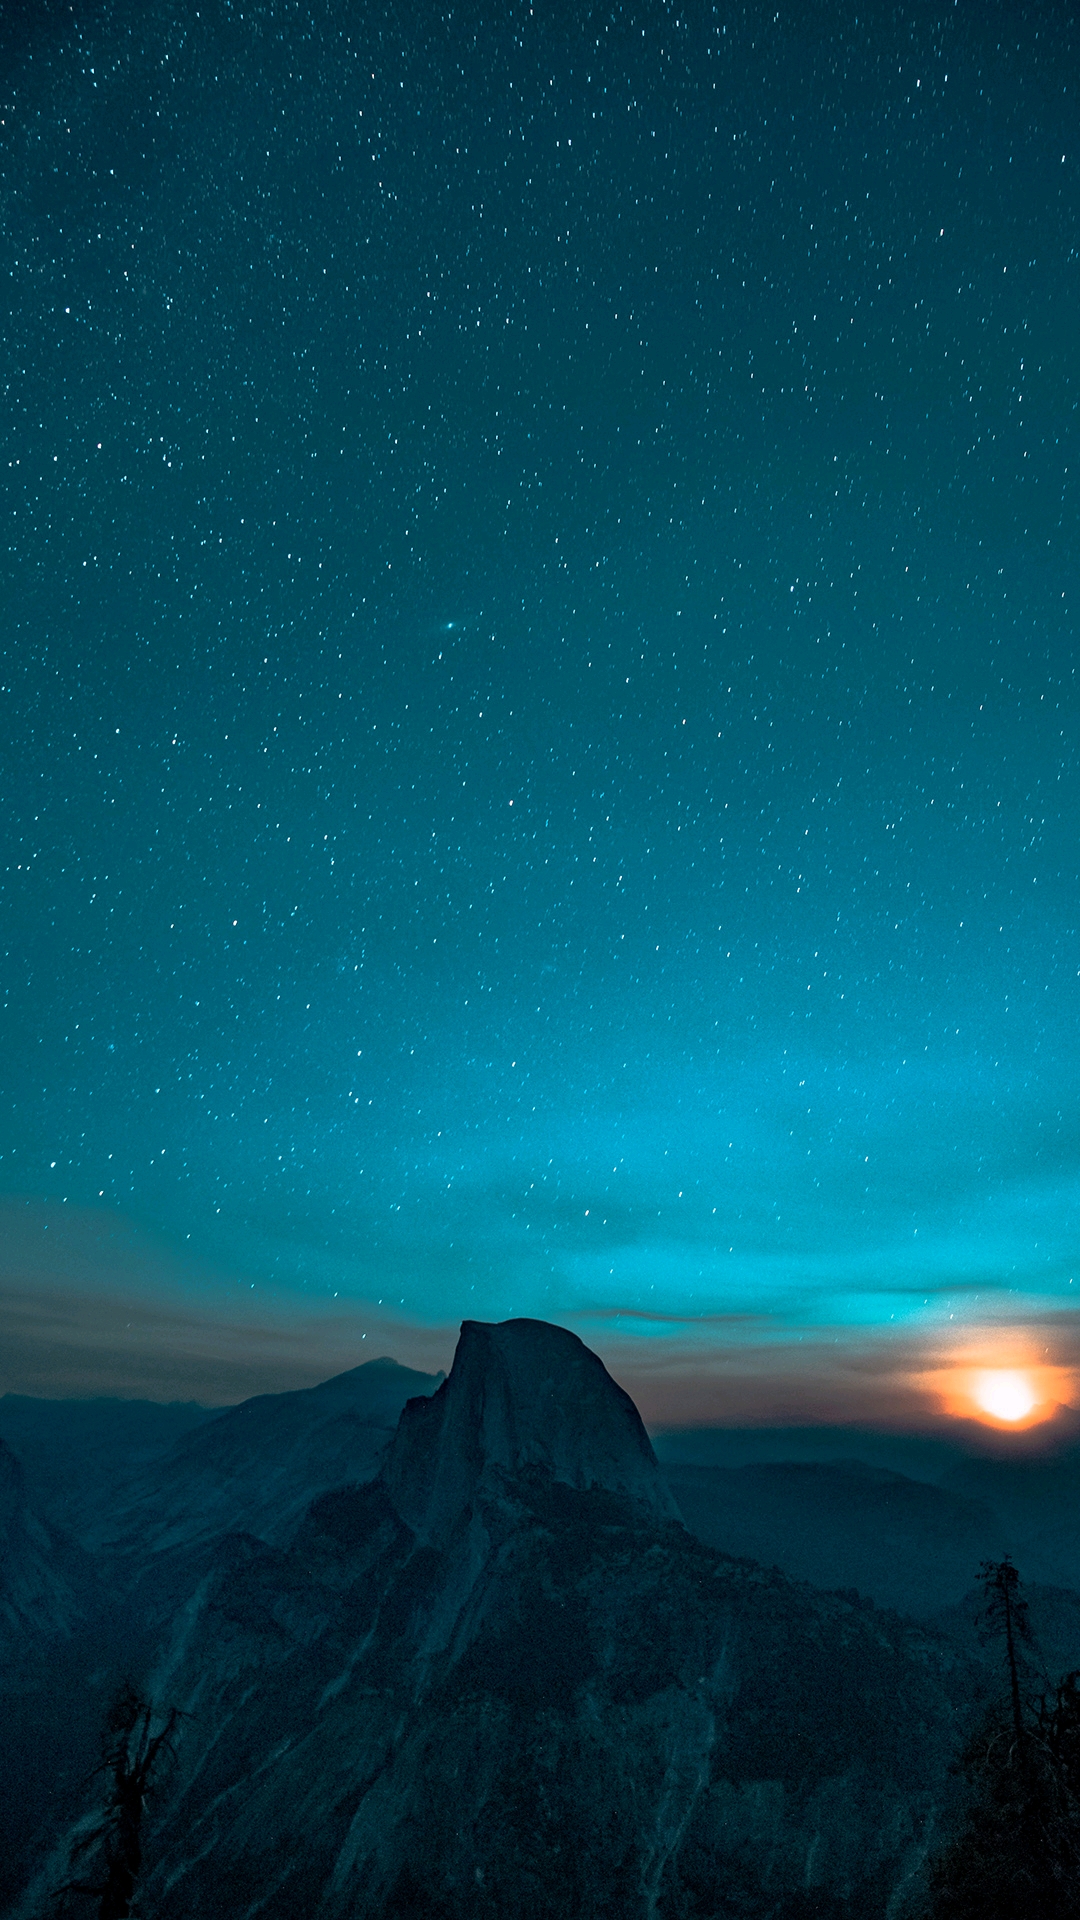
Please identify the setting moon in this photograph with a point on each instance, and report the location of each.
(1012, 1394)
(1004, 1395)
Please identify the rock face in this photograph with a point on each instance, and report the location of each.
(502, 1679)
(522, 1395)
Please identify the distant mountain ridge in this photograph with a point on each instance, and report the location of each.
(904, 1543)
(76, 1452)
(904, 1518)
(257, 1467)
(197, 1473)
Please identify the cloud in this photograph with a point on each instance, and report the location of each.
(91, 1303)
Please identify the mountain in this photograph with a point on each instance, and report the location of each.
(145, 1488)
(75, 1453)
(1038, 1501)
(257, 1467)
(906, 1519)
(841, 1523)
(920, 1456)
(503, 1678)
(522, 1397)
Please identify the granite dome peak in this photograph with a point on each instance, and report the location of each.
(521, 1395)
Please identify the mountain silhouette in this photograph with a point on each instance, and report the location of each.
(502, 1677)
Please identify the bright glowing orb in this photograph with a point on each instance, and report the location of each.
(1005, 1396)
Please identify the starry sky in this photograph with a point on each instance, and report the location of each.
(539, 691)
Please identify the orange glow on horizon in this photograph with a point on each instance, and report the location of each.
(1003, 1391)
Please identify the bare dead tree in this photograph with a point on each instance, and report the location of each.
(132, 1751)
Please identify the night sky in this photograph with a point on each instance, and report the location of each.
(539, 691)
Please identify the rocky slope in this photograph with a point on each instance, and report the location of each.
(503, 1678)
(51, 1699)
(45, 1582)
(77, 1453)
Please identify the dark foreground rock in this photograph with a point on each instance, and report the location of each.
(51, 1692)
(502, 1679)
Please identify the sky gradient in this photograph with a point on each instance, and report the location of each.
(539, 693)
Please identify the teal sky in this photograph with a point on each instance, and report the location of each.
(539, 686)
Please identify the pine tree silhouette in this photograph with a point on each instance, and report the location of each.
(1017, 1854)
(1006, 1614)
